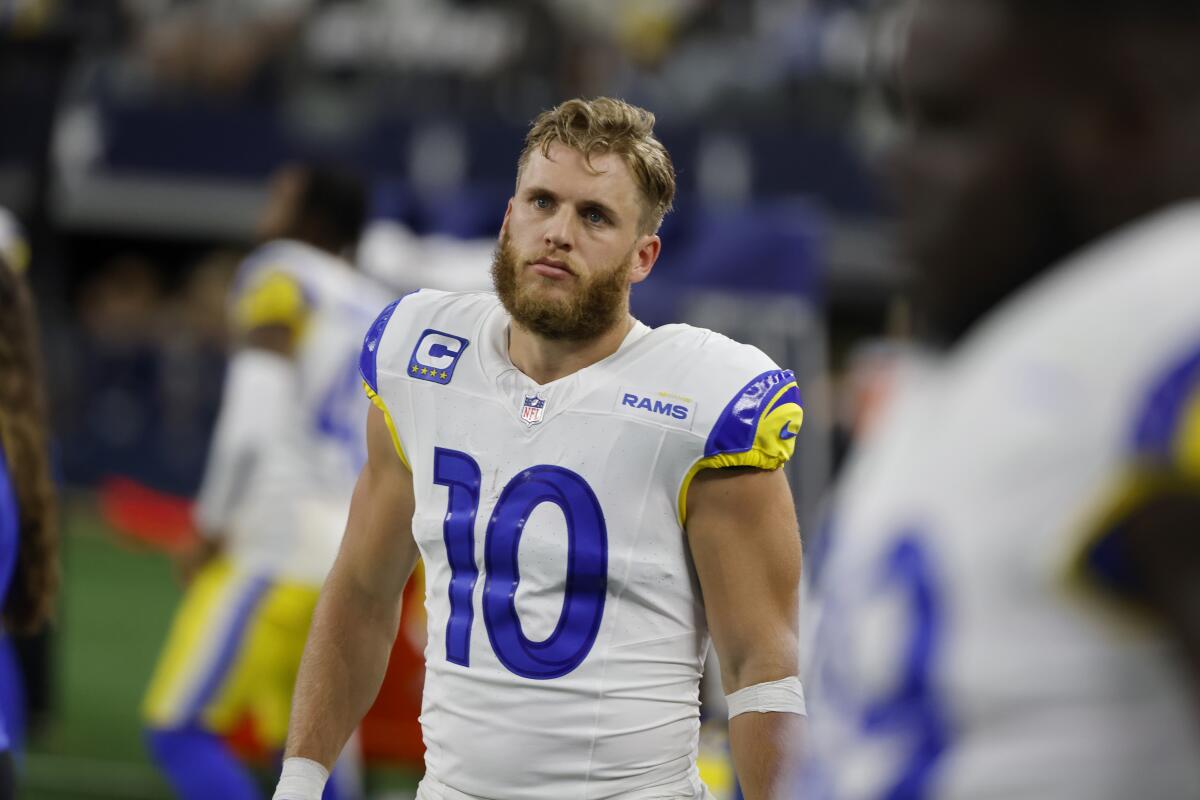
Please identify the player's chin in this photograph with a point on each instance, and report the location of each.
(549, 289)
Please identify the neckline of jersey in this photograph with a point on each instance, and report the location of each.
(495, 362)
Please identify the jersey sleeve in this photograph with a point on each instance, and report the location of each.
(756, 428)
(1161, 456)
(368, 368)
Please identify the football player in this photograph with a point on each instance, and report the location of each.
(1011, 591)
(287, 447)
(590, 499)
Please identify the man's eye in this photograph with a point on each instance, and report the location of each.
(541, 202)
(596, 218)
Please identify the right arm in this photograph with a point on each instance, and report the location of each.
(358, 615)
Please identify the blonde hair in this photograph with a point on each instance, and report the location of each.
(607, 125)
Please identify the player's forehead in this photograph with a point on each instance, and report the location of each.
(570, 175)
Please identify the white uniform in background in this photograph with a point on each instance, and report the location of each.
(285, 456)
(976, 640)
(391, 253)
(566, 629)
(284, 510)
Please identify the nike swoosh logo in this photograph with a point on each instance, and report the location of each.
(787, 433)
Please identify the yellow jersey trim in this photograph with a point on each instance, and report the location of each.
(277, 299)
(387, 418)
(1187, 445)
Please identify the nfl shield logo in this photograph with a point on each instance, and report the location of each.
(533, 410)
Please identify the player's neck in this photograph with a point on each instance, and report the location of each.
(545, 360)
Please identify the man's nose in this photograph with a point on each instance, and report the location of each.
(560, 230)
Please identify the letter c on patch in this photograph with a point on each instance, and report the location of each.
(438, 350)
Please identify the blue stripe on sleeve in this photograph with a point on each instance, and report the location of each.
(366, 362)
(1162, 414)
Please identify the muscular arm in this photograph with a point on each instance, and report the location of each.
(745, 542)
(359, 611)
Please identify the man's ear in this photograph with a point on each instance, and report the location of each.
(507, 214)
(644, 257)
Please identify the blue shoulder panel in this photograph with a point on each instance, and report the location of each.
(737, 427)
(366, 362)
(10, 526)
(1163, 413)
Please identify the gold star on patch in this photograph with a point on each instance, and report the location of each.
(444, 376)
(414, 369)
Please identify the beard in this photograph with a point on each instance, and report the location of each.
(595, 306)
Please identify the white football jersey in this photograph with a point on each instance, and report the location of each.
(290, 511)
(566, 629)
(977, 635)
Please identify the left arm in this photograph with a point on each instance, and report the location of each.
(745, 542)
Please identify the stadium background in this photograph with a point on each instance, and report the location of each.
(136, 141)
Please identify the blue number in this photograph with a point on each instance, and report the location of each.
(587, 565)
(587, 573)
(911, 712)
(913, 708)
(460, 473)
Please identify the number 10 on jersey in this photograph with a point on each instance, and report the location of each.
(587, 565)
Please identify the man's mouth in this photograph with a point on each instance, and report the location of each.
(551, 268)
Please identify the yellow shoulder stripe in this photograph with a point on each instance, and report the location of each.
(387, 417)
(1187, 445)
(750, 458)
(276, 299)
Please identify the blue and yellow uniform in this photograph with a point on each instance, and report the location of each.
(287, 450)
(567, 633)
(979, 634)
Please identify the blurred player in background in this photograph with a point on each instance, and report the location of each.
(272, 507)
(28, 543)
(1012, 590)
(590, 497)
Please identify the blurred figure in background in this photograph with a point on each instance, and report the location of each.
(28, 543)
(1011, 592)
(271, 510)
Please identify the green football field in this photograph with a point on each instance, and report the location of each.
(115, 604)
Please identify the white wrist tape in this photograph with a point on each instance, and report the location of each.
(302, 779)
(785, 696)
